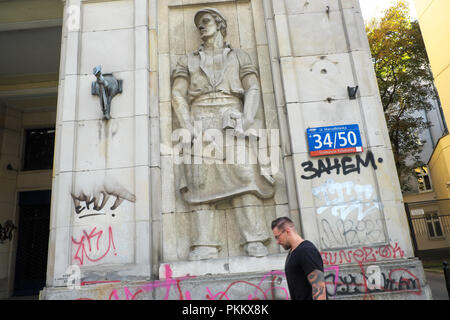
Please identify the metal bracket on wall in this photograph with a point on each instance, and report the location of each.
(352, 92)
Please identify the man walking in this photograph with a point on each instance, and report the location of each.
(304, 265)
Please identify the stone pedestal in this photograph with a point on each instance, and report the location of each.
(254, 286)
(394, 280)
(229, 266)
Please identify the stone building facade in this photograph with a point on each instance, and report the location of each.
(121, 224)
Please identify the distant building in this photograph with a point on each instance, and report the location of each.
(30, 37)
(429, 206)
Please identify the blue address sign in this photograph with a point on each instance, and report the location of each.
(334, 140)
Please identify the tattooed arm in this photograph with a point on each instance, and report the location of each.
(316, 279)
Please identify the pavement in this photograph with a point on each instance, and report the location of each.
(436, 280)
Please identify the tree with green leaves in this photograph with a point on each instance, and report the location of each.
(405, 82)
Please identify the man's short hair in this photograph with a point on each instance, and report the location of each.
(282, 222)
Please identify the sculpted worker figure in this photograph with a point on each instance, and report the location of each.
(217, 87)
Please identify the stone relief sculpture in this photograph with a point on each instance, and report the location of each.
(216, 87)
(106, 87)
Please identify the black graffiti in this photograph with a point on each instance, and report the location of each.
(6, 231)
(403, 284)
(348, 232)
(346, 165)
(353, 284)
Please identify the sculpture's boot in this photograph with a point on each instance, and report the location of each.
(203, 253)
(256, 249)
(250, 216)
(205, 243)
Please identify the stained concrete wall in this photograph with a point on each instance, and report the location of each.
(94, 157)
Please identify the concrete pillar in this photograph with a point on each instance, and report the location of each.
(352, 211)
(97, 159)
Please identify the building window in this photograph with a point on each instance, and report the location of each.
(433, 225)
(423, 178)
(39, 148)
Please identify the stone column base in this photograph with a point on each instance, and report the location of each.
(231, 279)
(231, 265)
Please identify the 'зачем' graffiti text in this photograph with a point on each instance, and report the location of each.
(346, 165)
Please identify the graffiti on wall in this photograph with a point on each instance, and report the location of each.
(6, 231)
(369, 281)
(338, 233)
(93, 246)
(345, 165)
(172, 288)
(342, 199)
(98, 194)
(370, 278)
(348, 214)
(276, 277)
(362, 255)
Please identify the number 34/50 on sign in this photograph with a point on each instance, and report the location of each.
(334, 140)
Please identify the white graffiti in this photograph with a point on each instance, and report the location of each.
(346, 197)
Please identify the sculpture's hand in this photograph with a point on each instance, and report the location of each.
(193, 131)
(231, 119)
(239, 123)
(247, 123)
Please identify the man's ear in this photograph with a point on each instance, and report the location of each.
(290, 230)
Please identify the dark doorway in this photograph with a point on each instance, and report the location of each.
(32, 246)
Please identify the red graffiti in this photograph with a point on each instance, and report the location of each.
(336, 276)
(128, 294)
(114, 294)
(170, 283)
(85, 241)
(86, 283)
(221, 294)
(362, 255)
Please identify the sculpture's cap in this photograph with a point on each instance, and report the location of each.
(211, 11)
(97, 69)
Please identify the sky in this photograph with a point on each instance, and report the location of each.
(375, 8)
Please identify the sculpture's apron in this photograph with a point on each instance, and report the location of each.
(224, 178)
